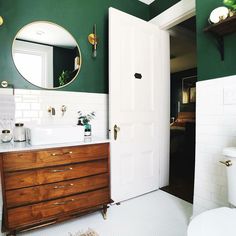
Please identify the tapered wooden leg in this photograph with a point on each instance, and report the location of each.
(11, 233)
(104, 212)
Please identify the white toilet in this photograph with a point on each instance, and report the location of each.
(220, 221)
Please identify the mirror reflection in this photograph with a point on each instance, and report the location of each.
(46, 55)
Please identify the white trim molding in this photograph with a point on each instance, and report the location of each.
(176, 14)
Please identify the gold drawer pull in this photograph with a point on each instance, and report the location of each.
(63, 186)
(61, 154)
(63, 203)
(66, 169)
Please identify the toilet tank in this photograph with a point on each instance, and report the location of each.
(230, 154)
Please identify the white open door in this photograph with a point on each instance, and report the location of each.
(138, 104)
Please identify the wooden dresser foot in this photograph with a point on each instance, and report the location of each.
(104, 212)
(11, 234)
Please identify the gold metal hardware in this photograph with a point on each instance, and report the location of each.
(227, 163)
(63, 186)
(63, 203)
(66, 169)
(61, 154)
(63, 109)
(116, 130)
(56, 154)
(70, 152)
(52, 111)
(93, 39)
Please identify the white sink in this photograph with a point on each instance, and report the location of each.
(52, 134)
(229, 152)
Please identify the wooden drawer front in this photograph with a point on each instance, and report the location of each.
(51, 157)
(15, 180)
(34, 213)
(51, 191)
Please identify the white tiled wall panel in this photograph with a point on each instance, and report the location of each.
(215, 130)
(32, 106)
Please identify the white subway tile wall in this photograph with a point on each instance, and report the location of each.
(215, 130)
(32, 106)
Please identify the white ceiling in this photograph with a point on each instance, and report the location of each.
(147, 1)
(47, 33)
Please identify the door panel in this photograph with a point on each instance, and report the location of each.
(134, 104)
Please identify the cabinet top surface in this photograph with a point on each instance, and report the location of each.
(24, 146)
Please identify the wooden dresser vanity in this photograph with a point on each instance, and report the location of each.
(47, 186)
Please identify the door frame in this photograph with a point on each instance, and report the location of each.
(174, 15)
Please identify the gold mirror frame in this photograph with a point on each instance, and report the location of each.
(60, 27)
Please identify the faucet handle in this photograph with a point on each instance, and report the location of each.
(63, 109)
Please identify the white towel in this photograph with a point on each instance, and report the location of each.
(7, 111)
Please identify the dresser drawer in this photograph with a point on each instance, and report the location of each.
(28, 178)
(21, 216)
(52, 157)
(51, 191)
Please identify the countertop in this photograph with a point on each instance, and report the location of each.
(24, 146)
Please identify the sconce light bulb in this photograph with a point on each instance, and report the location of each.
(1, 20)
(94, 54)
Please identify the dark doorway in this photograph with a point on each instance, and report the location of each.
(183, 100)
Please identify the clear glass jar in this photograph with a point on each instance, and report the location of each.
(19, 132)
(6, 136)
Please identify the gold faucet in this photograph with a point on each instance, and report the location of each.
(52, 111)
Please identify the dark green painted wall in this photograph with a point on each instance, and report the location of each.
(78, 17)
(63, 60)
(209, 63)
(158, 6)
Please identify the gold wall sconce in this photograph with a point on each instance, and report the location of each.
(1, 21)
(93, 39)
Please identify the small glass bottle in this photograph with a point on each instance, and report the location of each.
(6, 136)
(19, 132)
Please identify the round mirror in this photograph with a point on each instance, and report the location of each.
(46, 55)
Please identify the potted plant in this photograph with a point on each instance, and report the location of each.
(64, 77)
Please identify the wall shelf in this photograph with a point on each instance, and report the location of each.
(221, 29)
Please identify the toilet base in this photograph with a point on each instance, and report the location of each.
(216, 222)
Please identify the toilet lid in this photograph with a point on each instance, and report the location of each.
(217, 222)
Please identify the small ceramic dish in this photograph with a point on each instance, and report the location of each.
(218, 14)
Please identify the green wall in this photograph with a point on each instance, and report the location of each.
(78, 17)
(209, 62)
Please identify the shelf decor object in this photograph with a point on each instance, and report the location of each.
(92, 38)
(230, 3)
(1, 21)
(220, 30)
(218, 14)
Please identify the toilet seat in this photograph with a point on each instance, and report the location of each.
(216, 222)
